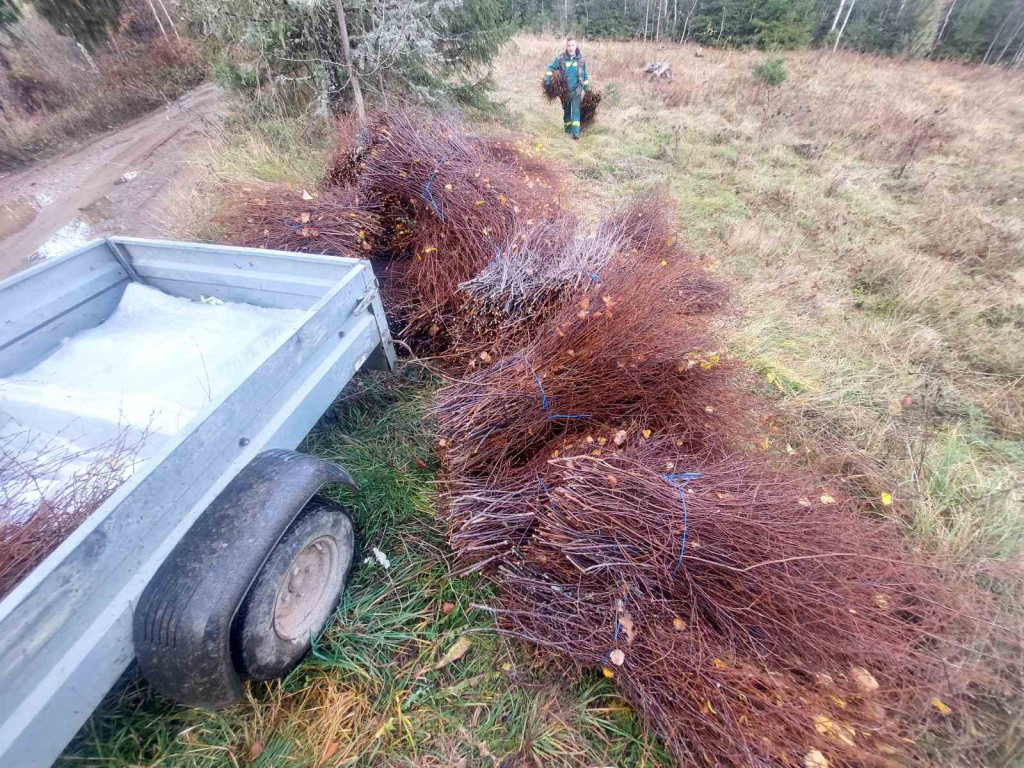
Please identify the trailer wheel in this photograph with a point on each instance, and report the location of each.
(295, 593)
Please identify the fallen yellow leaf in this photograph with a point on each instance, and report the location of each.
(941, 707)
(679, 624)
(456, 652)
(886, 499)
(827, 727)
(814, 759)
(864, 680)
(826, 499)
(608, 673)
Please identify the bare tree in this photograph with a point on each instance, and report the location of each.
(1013, 37)
(357, 94)
(686, 22)
(842, 29)
(942, 29)
(170, 21)
(839, 12)
(157, 17)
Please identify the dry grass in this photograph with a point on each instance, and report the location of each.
(55, 94)
(869, 212)
(880, 295)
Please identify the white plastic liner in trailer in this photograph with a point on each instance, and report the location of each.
(136, 379)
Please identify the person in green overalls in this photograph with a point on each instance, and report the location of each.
(572, 65)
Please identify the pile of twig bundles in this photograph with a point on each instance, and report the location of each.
(555, 87)
(756, 621)
(549, 262)
(329, 221)
(458, 194)
(588, 107)
(541, 266)
(631, 348)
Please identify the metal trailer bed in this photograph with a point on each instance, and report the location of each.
(66, 632)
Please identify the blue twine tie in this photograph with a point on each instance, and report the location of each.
(680, 481)
(547, 406)
(428, 196)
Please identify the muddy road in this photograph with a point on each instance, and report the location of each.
(126, 182)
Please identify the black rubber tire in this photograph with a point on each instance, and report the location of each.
(262, 652)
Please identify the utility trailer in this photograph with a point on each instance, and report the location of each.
(215, 562)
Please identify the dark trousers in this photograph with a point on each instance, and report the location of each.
(571, 113)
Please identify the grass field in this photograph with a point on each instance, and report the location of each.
(869, 214)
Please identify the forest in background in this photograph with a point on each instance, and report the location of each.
(989, 31)
(286, 55)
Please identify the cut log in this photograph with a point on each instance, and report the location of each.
(658, 70)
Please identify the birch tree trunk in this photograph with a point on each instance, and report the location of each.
(839, 12)
(942, 29)
(686, 23)
(994, 38)
(157, 17)
(170, 21)
(1012, 38)
(842, 29)
(357, 93)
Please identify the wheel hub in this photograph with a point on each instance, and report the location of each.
(306, 589)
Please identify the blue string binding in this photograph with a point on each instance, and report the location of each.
(680, 481)
(428, 196)
(547, 406)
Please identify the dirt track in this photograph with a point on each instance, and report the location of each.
(126, 182)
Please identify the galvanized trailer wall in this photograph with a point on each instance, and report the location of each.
(65, 632)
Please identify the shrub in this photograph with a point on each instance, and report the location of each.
(771, 73)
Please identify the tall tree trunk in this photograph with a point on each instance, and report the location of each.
(686, 23)
(842, 29)
(994, 38)
(1012, 38)
(657, 24)
(647, 18)
(170, 21)
(839, 12)
(721, 27)
(157, 17)
(357, 93)
(675, 17)
(942, 29)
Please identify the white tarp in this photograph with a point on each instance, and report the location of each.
(141, 376)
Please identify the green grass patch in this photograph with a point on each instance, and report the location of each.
(374, 690)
